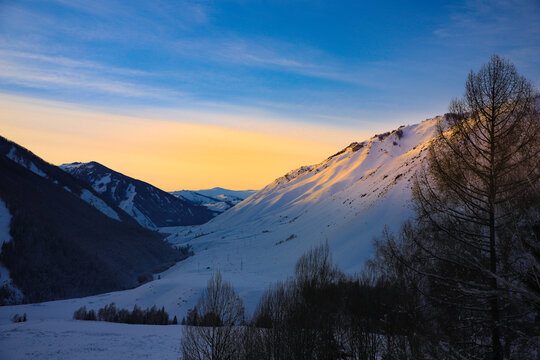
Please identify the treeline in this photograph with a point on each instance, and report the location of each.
(318, 314)
(110, 313)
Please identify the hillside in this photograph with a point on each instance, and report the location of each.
(346, 199)
(66, 241)
(148, 205)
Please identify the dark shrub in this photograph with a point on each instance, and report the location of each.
(18, 318)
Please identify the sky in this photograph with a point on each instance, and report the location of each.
(198, 94)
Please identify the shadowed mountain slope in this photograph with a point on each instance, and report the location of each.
(66, 241)
(148, 205)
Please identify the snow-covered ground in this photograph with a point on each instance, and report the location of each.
(99, 204)
(24, 162)
(88, 340)
(5, 278)
(50, 332)
(345, 200)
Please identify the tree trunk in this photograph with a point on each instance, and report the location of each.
(495, 315)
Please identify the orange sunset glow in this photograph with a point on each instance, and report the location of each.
(171, 154)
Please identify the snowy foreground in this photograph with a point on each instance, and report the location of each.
(346, 200)
(50, 332)
(69, 339)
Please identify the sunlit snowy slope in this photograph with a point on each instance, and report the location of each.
(347, 199)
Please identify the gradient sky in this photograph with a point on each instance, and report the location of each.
(190, 95)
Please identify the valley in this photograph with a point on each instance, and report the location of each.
(346, 200)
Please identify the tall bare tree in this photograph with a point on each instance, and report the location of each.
(476, 200)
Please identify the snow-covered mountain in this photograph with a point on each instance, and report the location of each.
(347, 199)
(148, 205)
(60, 239)
(217, 199)
(28, 160)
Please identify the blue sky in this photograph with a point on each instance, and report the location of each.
(351, 65)
(328, 61)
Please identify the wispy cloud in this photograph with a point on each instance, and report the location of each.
(53, 72)
(62, 74)
(137, 23)
(266, 53)
(70, 63)
(183, 13)
(163, 28)
(220, 55)
(507, 22)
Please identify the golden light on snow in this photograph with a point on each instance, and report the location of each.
(171, 154)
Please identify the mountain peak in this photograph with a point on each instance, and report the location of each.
(148, 205)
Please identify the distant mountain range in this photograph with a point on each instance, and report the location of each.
(148, 205)
(217, 199)
(63, 239)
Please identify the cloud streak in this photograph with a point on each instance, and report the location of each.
(68, 73)
(500, 22)
(115, 23)
(67, 62)
(270, 54)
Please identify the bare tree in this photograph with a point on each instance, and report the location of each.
(473, 236)
(472, 253)
(220, 313)
(315, 268)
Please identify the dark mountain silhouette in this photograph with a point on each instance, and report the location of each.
(67, 241)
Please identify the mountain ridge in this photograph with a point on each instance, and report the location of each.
(60, 244)
(150, 206)
(346, 199)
